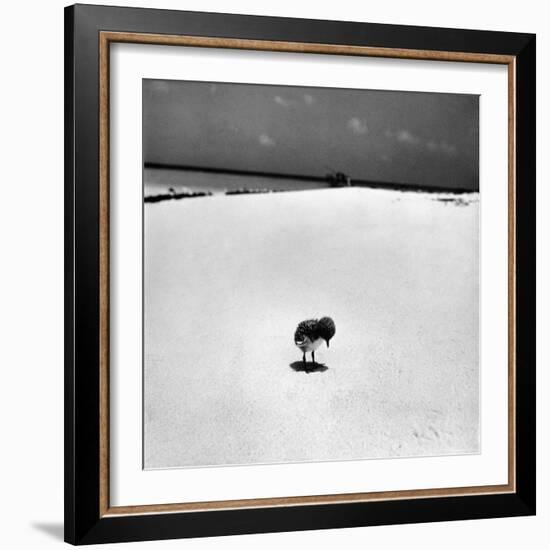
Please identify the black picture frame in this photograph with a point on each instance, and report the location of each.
(84, 521)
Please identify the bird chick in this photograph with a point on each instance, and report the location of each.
(311, 333)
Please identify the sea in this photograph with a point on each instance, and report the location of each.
(158, 181)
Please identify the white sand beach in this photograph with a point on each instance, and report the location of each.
(227, 279)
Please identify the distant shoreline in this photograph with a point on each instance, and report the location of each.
(170, 191)
(372, 184)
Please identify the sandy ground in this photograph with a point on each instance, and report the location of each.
(228, 278)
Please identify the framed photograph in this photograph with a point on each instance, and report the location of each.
(300, 274)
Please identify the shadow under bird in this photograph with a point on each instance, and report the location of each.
(311, 333)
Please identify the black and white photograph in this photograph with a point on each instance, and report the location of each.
(311, 274)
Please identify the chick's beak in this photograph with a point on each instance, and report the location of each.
(328, 342)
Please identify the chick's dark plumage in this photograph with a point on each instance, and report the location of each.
(306, 329)
(326, 328)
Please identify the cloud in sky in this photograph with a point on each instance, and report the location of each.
(441, 147)
(280, 100)
(357, 126)
(266, 141)
(286, 102)
(404, 136)
(408, 138)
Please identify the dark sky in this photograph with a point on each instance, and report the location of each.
(404, 137)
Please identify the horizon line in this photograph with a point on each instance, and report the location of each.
(356, 182)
